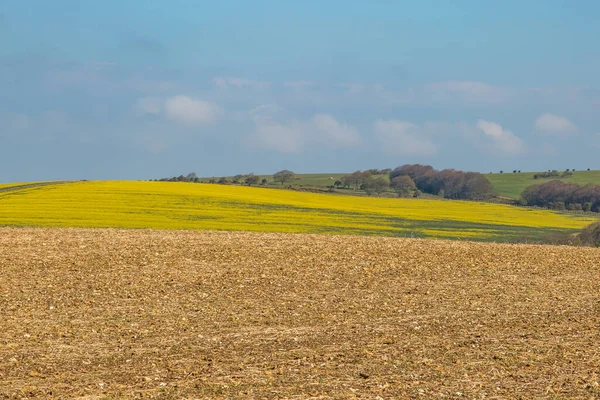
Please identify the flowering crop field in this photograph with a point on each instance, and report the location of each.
(166, 205)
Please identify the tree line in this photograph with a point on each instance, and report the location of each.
(558, 195)
(191, 177)
(406, 180)
(448, 183)
(553, 174)
(282, 177)
(250, 179)
(417, 179)
(373, 181)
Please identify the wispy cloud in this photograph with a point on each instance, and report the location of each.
(190, 111)
(239, 83)
(183, 109)
(362, 88)
(283, 138)
(454, 93)
(503, 140)
(150, 105)
(275, 130)
(471, 92)
(299, 85)
(334, 132)
(449, 93)
(551, 124)
(403, 138)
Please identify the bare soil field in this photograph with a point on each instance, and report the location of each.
(111, 314)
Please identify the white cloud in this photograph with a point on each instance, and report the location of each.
(190, 111)
(555, 125)
(403, 138)
(239, 83)
(182, 109)
(334, 132)
(504, 140)
(274, 129)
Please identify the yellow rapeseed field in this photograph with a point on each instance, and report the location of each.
(167, 205)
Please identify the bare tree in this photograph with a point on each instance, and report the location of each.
(251, 179)
(284, 176)
(402, 185)
(377, 185)
(358, 178)
(237, 178)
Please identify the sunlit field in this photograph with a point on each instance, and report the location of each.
(165, 205)
(512, 185)
(130, 314)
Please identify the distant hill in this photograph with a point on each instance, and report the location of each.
(511, 184)
(508, 184)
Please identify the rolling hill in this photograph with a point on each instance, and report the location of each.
(170, 205)
(509, 185)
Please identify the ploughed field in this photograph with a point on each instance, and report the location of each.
(110, 314)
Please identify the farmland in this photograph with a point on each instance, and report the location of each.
(11, 185)
(512, 185)
(162, 205)
(111, 314)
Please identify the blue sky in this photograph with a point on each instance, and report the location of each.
(146, 89)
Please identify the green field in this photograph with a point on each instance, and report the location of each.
(317, 179)
(512, 185)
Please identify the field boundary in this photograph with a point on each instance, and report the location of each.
(31, 185)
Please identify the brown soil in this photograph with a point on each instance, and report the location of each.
(97, 314)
